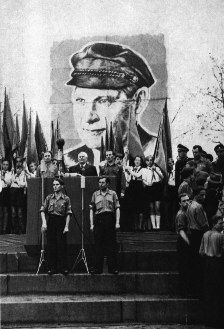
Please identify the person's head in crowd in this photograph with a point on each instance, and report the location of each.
(19, 160)
(82, 158)
(104, 182)
(182, 151)
(55, 162)
(110, 156)
(190, 164)
(200, 194)
(219, 150)
(48, 156)
(214, 180)
(32, 167)
(149, 160)
(107, 79)
(197, 149)
(200, 178)
(119, 159)
(138, 161)
(183, 201)
(203, 155)
(218, 223)
(58, 184)
(19, 169)
(187, 173)
(170, 164)
(5, 165)
(209, 157)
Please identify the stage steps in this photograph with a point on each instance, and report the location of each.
(97, 308)
(145, 290)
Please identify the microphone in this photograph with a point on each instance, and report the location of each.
(60, 143)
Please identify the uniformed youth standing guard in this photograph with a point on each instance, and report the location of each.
(106, 207)
(58, 208)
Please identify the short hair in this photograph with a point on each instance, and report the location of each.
(138, 156)
(190, 163)
(209, 157)
(181, 196)
(215, 219)
(49, 152)
(119, 155)
(60, 181)
(110, 151)
(32, 162)
(149, 157)
(106, 178)
(197, 147)
(84, 153)
(5, 160)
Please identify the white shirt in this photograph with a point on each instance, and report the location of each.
(6, 178)
(151, 175)
(19, 181)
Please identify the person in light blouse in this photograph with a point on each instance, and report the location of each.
(17, 195)
(6, 177)
(152, 177)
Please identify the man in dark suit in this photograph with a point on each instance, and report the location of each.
(180, 164)
(83, 168)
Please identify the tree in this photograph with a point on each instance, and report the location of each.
(212, 120)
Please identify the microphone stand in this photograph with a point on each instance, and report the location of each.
(42, 254)
(82, 255)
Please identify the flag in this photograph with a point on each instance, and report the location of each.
(2, 148)
(57, 136)
(16, 139)
(111, 138)
(163, 149)
(102, 150)
(8, 128)
(53, 140)
(41, 144)
(24, 132)
(31, 144)
(107, 146)
(126, 134)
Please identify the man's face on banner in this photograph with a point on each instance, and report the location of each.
(92, 108)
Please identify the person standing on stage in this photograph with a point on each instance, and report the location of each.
(17, 196)
(83, 167)
(6, 178)
(183, 244)
(104, 221)
(58, 208)
(110, 168)
(180, 164)
(198, 225)
(51, 170)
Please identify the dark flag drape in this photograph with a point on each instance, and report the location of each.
(2, 147)
(41, 144)
(31, 144)
(126, 133)
(53, 140)
(163, 149)
(8, 128)
(16, 139)
(24, 132)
